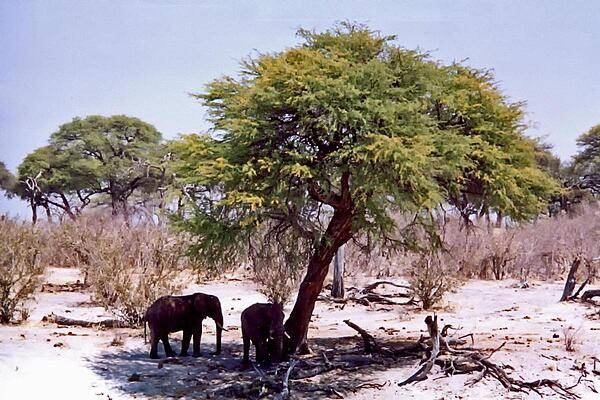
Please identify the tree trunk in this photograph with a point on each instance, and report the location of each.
(48, 213)
(33, 206)
(570, 283)
(338, 232)
(499, 218)
(337, 289)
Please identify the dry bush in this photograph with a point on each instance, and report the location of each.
(278, 259)
(21, 267)
(542, 249)
(430, 277)
(131, 266)
(479, 252)
(572, 337)
(70, 242)
(549, 245)
(376, 263)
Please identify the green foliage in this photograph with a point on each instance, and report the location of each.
(348, 120)
(587, 161)
(109, 156)
(7, 180)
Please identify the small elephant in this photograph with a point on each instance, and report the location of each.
(262, 324)
(182, 313)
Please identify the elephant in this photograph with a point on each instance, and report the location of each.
(182, 313)
(262, 324)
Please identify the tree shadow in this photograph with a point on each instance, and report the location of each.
(336, 366)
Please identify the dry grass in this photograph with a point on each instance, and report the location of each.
(572, 337)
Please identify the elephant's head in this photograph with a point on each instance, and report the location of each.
(209, 306)
(276, 331)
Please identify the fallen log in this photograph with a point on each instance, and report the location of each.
(107, 323)
(588, 294)
(64, 287)
(373, 285)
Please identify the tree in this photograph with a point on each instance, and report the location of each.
(331, 139)
(587, 161)
(47, 180)
(7, 180)
(90, 158)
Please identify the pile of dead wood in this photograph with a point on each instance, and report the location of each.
(368, 296)
(437, 349)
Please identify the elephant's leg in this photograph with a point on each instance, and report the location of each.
(154, 338)
(168, 350)
(185, 343)
(261, 352)
(197, 333)
(246, 340)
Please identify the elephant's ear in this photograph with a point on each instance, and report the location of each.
(200, 305)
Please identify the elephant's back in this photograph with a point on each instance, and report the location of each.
(168, 311)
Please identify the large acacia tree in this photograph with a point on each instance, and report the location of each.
(90, 158)
(331, 139)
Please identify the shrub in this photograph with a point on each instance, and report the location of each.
(429, 279)
(572, 337)
(70, 242)
(130, 267)
(278, 260)
(21, 268)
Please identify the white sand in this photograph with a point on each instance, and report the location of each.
(85, 366)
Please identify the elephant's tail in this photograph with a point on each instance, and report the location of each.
(145, 341)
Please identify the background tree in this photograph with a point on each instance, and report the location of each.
(331, 139)
(105, 159)
(7, 180)
(587, 161)
(48, 179)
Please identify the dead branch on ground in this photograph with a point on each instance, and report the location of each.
(437, 351)
(367, 296)
(107, 323)
(64, 287)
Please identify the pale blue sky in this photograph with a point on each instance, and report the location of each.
(61, 59)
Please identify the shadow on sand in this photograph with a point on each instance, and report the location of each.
(337, 366)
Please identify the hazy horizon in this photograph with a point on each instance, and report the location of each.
(65, 59)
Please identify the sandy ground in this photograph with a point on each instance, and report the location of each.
(45, 361)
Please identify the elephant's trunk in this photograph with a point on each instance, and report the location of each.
(277, 347)
(219, 327)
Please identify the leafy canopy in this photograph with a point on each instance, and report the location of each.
(587, 161)
(348, 110)
(7, 180)
(91, 156)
